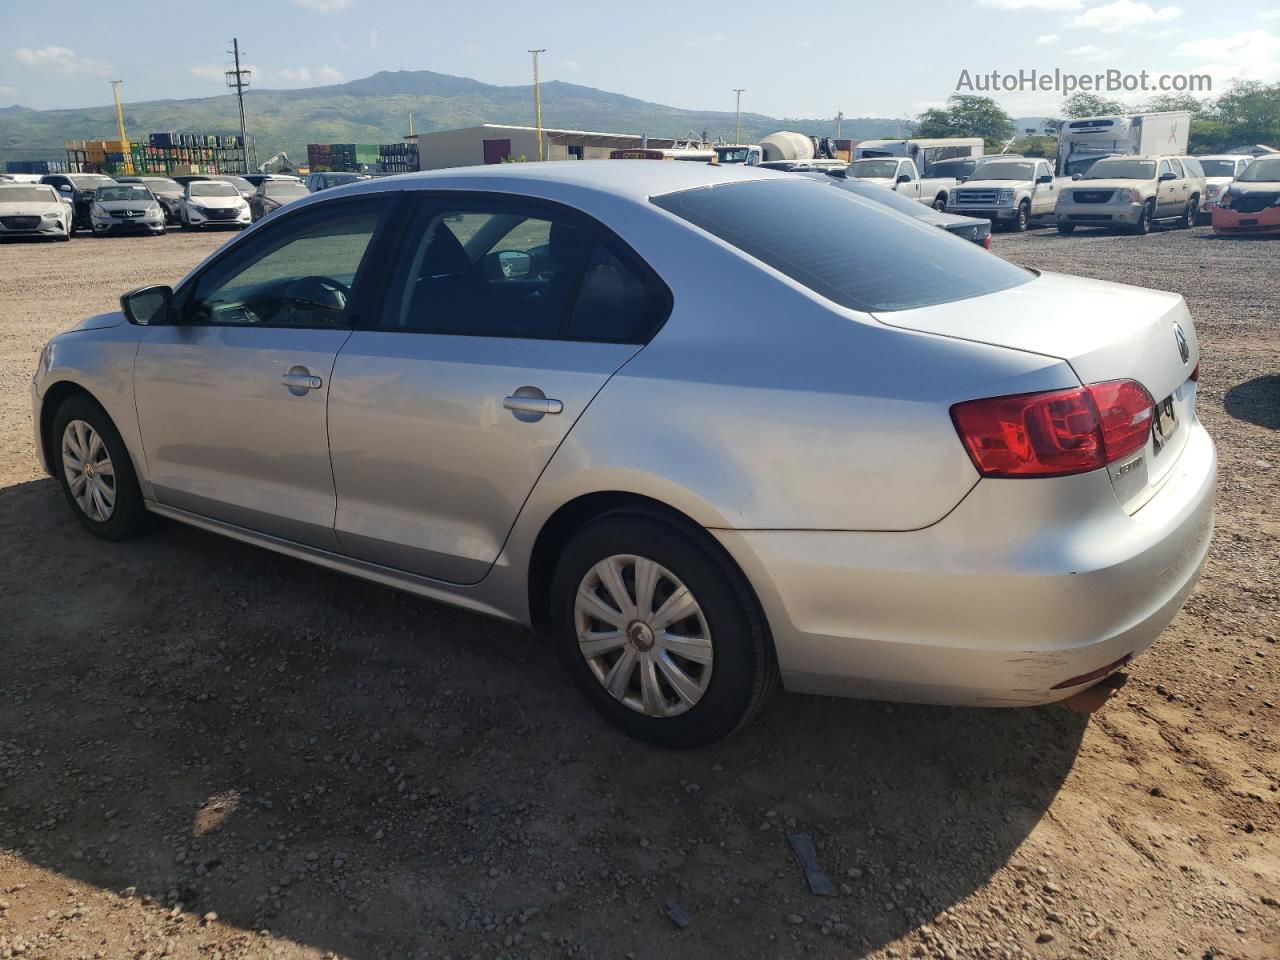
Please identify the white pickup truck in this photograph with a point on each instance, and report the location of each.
(1007, 190)
(900, 174)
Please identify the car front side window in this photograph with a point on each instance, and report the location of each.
(299, 273)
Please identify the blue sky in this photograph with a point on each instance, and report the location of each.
(807, 60)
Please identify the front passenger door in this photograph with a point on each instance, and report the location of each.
(231, 398)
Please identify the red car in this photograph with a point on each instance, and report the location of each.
(1252, 204)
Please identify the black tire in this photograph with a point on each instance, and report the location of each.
(940, 203)
(1143, 226)
(1065, 228)
(129, 517)
(1023, 219)
(65, 237)
(71, 230)
(743, 669)
(1188, 218)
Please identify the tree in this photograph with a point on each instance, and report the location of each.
(1251, 109)
(1091, 105)
(1176, 101)
(966, 116)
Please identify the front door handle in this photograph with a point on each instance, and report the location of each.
(538, 405)
(299, 380)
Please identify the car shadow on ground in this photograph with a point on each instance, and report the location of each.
(376, 775)
(1256, 401)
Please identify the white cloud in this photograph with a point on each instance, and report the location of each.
(1269, 14)
(1091, 51)
(59, 60)
(210, 72)
(373, 39)
(1031, 4)
(1046, 38)
(8, 95)
(569, 64)
(318, 75)
(1251, 55)
(324, 6)
(1123, 15)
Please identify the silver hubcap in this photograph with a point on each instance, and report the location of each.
(88, 470)
(643, 635)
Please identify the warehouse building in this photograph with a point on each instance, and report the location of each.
(493, 143)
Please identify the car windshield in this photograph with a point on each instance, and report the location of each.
(855, 253)
(284, 188)
(1006, 170)
(1261, 170)
(873, 168)
(1119, 168)
(733, 154)
(36, 193)
(90, 181)
(124, 191)
(162, 185)
(212, 188)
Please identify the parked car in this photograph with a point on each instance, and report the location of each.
(959, 168)
(240, 183)
(1219, 171)
(126, 208)
(271, 195)
(1012, 192)
(1252, 204)
(168, 193)
(257, 178)
(33, 210)
(79, 189)
(900, 175)
(702, 426)
(1129, 193)
(323, 181)
(974, 229)
(213, 203)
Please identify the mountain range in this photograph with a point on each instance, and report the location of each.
(376, 109)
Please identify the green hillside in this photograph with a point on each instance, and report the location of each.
(375, 110)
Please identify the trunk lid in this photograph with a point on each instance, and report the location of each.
(1105, 331)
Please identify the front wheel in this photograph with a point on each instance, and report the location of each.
(659, 630)
(1023, 219)
(1143, 226)
(940, 203)
(94, 471)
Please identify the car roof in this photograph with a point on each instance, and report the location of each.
(1222, 156)
(632, 179)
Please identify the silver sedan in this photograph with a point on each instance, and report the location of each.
(704, 429)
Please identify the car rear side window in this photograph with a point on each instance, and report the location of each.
(855, 253)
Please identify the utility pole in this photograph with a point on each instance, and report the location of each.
(124, 141)
(238, 80)
(737, 115)
(839, 118)
(537, 100)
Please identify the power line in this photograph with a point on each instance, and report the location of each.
(239, 80)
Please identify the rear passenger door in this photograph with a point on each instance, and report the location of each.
(501, 321)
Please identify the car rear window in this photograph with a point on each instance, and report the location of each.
(855, 253)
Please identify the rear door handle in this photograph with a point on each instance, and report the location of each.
(538, 405)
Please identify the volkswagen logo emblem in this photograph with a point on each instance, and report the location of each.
(1180, 338)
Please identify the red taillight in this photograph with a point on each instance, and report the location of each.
(1195, 374)
(986, 242)
(1055, 434)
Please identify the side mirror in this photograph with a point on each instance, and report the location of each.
(904, 178)
(1077, 176)
(963, 178)
(148, 306)
(65, 188)
(1044, 178)
(514, 264)
(1168, 175)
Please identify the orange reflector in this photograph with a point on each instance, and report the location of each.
(1093, 674)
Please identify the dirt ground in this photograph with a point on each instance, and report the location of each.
(210, 751)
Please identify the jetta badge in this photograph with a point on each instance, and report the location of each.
(1184, 348)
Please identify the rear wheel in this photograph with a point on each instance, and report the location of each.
(94, 471)
(1066, 228)
(659, 630)
(1188, 218)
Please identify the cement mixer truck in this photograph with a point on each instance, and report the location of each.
(785, 145)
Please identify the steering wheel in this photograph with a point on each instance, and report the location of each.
(317, 293)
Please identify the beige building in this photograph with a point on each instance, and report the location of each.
(493, 143)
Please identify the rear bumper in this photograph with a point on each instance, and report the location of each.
(1026, 584)
(1228, 222)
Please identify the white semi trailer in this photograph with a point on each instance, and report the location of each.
(1085, 140)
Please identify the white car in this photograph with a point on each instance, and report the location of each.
(1220, 170)
(213, 203)
(33, 209)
